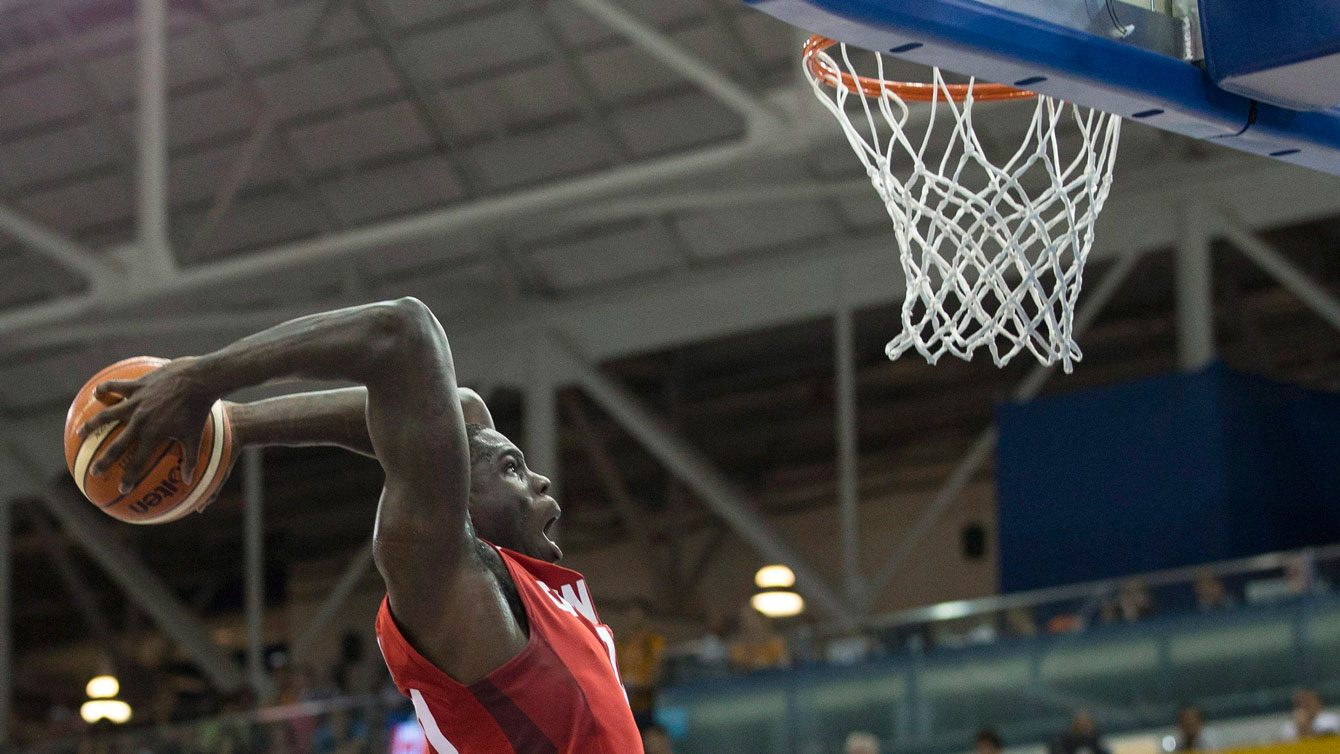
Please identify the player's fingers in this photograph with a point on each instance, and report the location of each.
(115, 449)
(190, 455)
(105, 391)
(136, 460)
(115, 413)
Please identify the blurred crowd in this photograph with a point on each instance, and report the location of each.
(748, 643)
(1309, 720)
(351, 707)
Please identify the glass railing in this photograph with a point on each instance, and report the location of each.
(1132, 651)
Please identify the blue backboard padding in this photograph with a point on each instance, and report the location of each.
(1161, 473)
(1248, 36)
(1000, 45)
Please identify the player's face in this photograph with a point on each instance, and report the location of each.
(510, 505)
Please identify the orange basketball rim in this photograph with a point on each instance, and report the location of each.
(822, 71)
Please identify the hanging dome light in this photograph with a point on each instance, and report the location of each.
(112, 709)
(778, 604)
(103, 687)
(773, 576)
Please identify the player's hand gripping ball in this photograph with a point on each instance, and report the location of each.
(124, 440)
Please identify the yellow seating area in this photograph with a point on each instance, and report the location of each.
(1329, 745)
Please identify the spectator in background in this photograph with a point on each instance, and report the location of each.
(343, 731)
(1134, 601)
(711, 649)
(861, 742)
(348, 675)
(655, 740)
(757, 646)
(988, 742)
(1065, 623)
(1081, 738)
(1310, 718)
(1019, 621)
(639, 655)
(1300, 574)
(1191, 732)
(1210, 593)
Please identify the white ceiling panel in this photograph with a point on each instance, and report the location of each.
(579, 28)
(328, 83)
(98, 27)
(410, 12)
(535, 156)
(473, 109)
(474, 45)
(115, 75)
(393, 190)
(772, 41)
(83, 204)
(55, 153)
(211, 113)
(342, 28)
(57, 373)
(194, 56)
(632, 251)
(625, 71)
(342, 142)
(198, 176)
(28, 277)
(464, 287)
(46, 97)
(266, 220)
(494, 105)
(535, 93)
(273, 35)
(732, 230)
(864, 212)
(395, 262)
(676, 123)
(25, 48)
(109, 236)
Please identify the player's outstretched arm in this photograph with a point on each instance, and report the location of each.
(442, 594)
(398, 351)
(326, 417)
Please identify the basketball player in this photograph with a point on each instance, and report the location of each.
(499, 649)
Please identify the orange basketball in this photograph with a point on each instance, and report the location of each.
(161, 496)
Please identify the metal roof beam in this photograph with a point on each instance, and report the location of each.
(758, 114)
(695, 471)
(124, 567)
(56, 246)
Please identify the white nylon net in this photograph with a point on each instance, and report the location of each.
(993, 252)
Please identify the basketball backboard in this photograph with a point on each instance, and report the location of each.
(1207, 69)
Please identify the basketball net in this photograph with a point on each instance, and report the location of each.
(993, 252)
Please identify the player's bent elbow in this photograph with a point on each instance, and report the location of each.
(403, 327)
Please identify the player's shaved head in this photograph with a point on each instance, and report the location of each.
(509, 504)
(485, 442)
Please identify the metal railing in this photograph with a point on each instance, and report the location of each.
(343, 725)
(929, 678)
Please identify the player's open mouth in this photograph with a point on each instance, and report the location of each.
(548, 527)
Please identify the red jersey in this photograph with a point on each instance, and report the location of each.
(560, 695)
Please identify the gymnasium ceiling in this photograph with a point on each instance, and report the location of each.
(499, 151)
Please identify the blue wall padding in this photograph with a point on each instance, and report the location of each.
(1163, 472)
